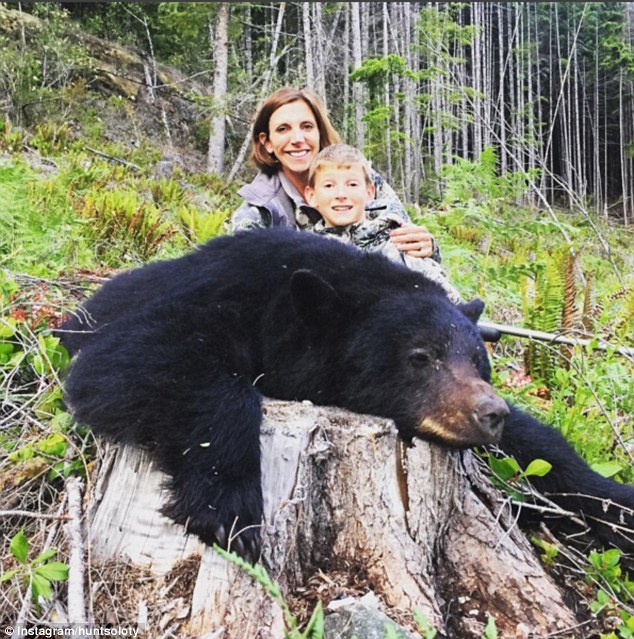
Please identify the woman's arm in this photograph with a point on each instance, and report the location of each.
(414, 240)
(246, 217)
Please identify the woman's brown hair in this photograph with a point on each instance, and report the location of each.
(327, 134)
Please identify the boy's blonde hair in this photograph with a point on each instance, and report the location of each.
(343, 155)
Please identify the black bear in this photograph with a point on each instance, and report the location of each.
(178, 355)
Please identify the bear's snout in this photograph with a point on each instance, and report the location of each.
(488, 416)
(465, 411)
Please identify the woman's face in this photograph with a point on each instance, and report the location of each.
(293, 137)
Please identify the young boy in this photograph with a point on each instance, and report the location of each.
(340, 187)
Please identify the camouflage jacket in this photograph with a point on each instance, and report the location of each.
(374, 235)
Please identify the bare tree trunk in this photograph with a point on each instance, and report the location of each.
(540, 115)
(319, 47)
(598, 182)
(411, 158)
(501, 92)
(510, 69)
(520, 75)
(308, 45)
(387, 95)
(533, 136)
(628, 194)
(357, 60)
(248, 41)
(216, 152)
(478, 122)
(623, 145)
(345, 503)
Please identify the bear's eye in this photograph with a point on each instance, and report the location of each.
(418, 358)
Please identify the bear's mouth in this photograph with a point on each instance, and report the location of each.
(465, 436)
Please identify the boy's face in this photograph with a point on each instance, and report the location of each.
(340, 193)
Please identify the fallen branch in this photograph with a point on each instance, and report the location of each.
(76, 567)
(553, 338)
(112, 158)
(33, 515)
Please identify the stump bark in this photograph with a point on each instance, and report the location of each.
(349, 508)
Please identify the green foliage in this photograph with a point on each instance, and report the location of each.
(439, 29)
(507, 474)
(31, 361)
(11, 139)
(374, 71)
(615, 591)
(31, 75)
(490, 630)
(201, 226)
(167, 192)
(121, 221)
(550, 552)
(424, 626)
(589, 400)
(39, 573)
(469, 180)
(50, 137)
(38, 231)
(545, 314)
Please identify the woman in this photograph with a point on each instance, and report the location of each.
(291, 127)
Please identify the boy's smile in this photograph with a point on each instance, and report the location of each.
(340, 193)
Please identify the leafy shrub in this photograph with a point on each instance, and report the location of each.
(124, 226)
(39, 233)
(36, 574)
(201, 226)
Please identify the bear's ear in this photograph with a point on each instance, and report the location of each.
(473, 309)
(314, 300)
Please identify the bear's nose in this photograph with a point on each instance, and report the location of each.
(488, 416)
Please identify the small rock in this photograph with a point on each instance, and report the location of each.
(359, 619)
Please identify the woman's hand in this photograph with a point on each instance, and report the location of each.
(414, 240)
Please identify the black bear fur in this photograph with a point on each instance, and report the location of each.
(178, 354)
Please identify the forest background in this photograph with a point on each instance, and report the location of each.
(507, 128)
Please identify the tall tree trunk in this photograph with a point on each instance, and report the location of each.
(501, 92)
(346, 75)
(532, 136)
(596, 130)
(216, 153)
(357, 60)
(623, 146)
(411, 129)
(539, 132)
(511, 34)
(476, 67)
(629, 123)
(387, 100)
(308, 45)
(319, 46)
(520, 76)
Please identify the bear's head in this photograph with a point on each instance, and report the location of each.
(411, 355)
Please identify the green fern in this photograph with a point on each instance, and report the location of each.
(546, 315)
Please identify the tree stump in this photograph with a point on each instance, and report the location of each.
(347, 504)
